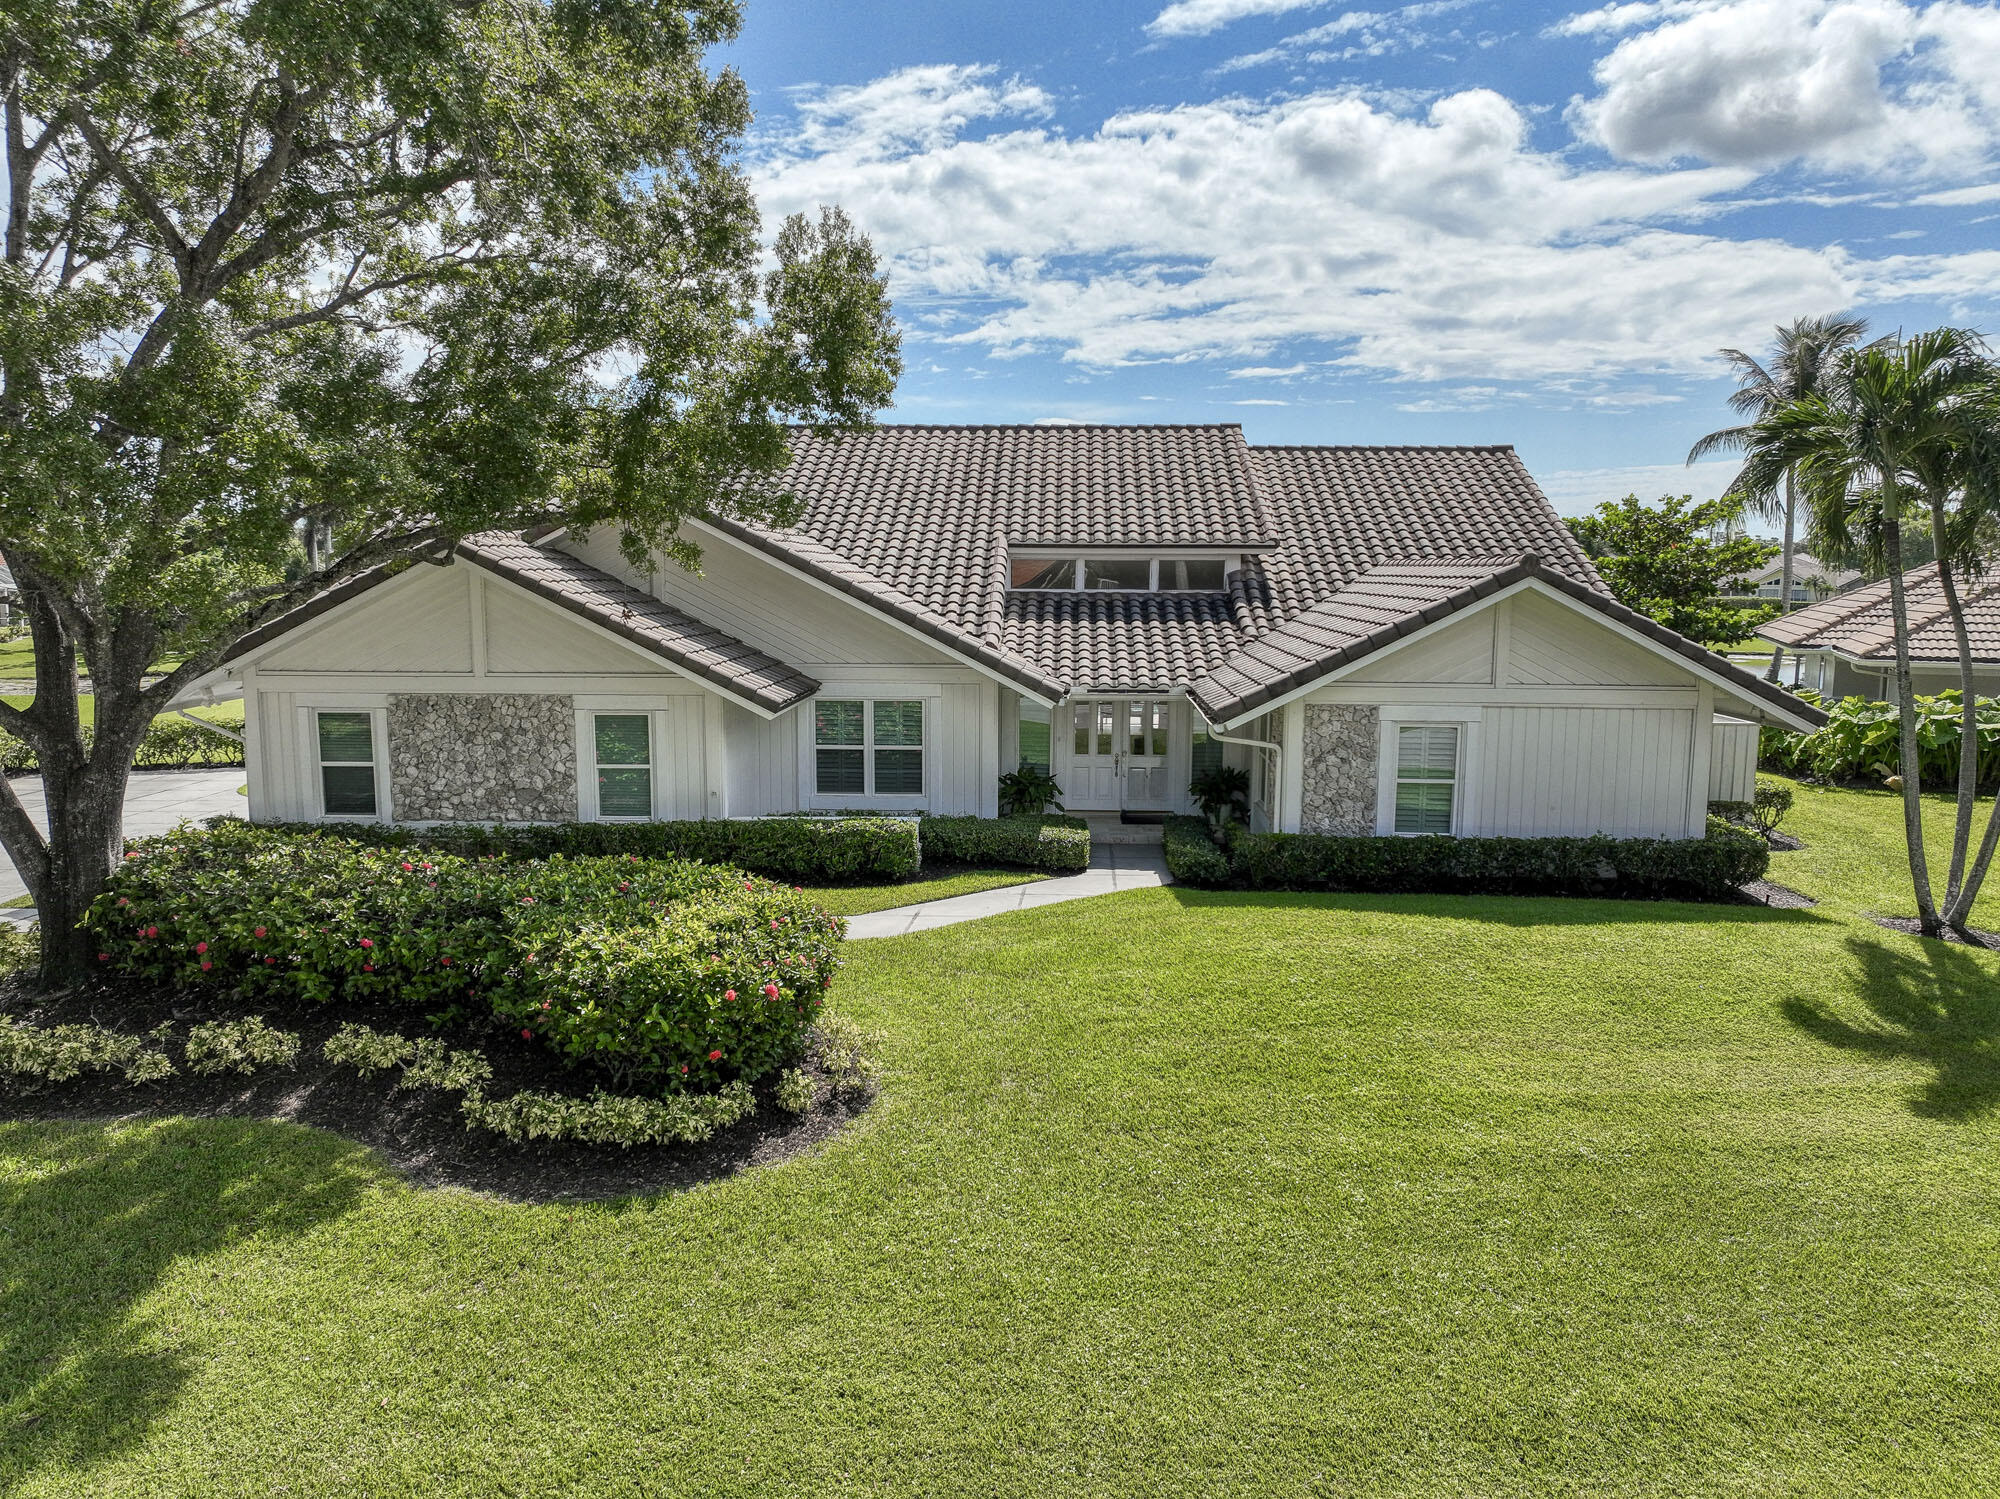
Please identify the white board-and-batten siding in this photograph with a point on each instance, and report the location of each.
(1568, 726)
(458, 629)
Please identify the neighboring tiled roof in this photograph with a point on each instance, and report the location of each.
(1397, 598)
(1805, 568)
(930, 512)
(698, 649)
(1858, 623)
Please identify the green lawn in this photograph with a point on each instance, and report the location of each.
(86, 707)
(1166, 1192)
(858, 900)
(1748, 648)
(17, 659)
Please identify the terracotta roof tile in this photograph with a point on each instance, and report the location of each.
(1858, 623)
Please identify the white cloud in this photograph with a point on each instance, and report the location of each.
(1577, 491)
(1355, 33)
(1610, 19)
(1432, 246)
(1268, 371)
(1959, 197)
(1200, 17)
(921, 107)
(1873, 85)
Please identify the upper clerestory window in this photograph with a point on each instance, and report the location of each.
(1118, 574)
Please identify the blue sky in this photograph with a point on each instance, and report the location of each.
(1451, 221)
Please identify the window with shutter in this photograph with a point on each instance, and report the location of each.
(1426, 778)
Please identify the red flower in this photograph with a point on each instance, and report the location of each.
(259, 932)
(123, 901)
(770, 991)
(447, 962)
(409, 869)
(715, 1056)
(269, 961)
(134, 855)
(367, 941)
(152, 931)
(545, 1004)
(729, 994)
(201, 947)
(105, 957)
(206, 966)
(526, 1034)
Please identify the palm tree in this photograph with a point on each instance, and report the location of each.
(1901, 431)
(1798, 363)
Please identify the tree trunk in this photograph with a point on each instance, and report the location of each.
(1968, 732)
(86, 801)
(1906, 716)
(1785, 573)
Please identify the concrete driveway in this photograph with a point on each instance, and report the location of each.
(155, 800)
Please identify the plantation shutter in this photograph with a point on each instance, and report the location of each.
(1426, 778)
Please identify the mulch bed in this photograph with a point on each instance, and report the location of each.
(1909, 926)
(418, 1131)
(1778, 897)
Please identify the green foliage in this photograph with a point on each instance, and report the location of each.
(1028, 792)
(846, 1051)
(1712, 867)
(239, 1046)
(58, 1053)
(1060, 844)
(609, 1118)
(815, 849)
(366, 1049)
(1664, 561)
(1223, 792)
(1859, 741)
(632, 966)
(1771, 804)
(171, 743)
(795, 1091)
(1191, 853)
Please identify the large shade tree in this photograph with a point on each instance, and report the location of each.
(292, 289)
(1906, 433)
(1801, 357)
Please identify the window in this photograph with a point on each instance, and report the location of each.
(624, 758)
(1117, 574)
(1146, 728)
(1206, 754)
(864, 748)
(1034, 737)
(1426, 777)
(347, 764)
(1203, 575)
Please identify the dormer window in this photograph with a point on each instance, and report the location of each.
(1117, 574)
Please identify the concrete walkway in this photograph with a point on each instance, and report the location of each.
(1113, 867)
(155, 800)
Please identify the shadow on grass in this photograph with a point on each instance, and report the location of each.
(1932, 1003)
(90, 1221)
(1509, 910)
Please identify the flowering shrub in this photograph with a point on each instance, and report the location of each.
(239, 1046)
(57, 1053)
(654, 968)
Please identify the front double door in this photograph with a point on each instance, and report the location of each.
(1118, 755)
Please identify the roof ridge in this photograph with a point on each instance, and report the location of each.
(1381, 447)
(1029, 427)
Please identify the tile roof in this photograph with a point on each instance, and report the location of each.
(1398, 598)
(681, 640)
(929, 514)
(1805, 568)
(1858, 623)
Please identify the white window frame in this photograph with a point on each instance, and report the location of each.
(811, 796)
(587, 710)
(1230, 562)
(313, 785)
(1393, 721)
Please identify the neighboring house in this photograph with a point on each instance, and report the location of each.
(1812, 580)
(1388, 639)
(1847, 647)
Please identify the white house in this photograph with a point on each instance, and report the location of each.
(1847, 645)
(1390, 640)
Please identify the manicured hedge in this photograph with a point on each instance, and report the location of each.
(680, 974)
(1707, 868)
(818, 849)
(1191, 854)
(172, 743)
(1054, 843)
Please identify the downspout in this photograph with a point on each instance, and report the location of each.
(1278, 787)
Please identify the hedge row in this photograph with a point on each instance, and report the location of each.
(665, 970)
(1709, 868)
(819, 849)
(1061, 844)
(172, 743)
(1191, 854)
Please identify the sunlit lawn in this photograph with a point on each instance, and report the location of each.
(858, 900)
(86, 707)
(1166, 1193)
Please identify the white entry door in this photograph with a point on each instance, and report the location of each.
(1118, 755)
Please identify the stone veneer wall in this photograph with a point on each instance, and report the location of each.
(482, 757)
(1342, 746)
